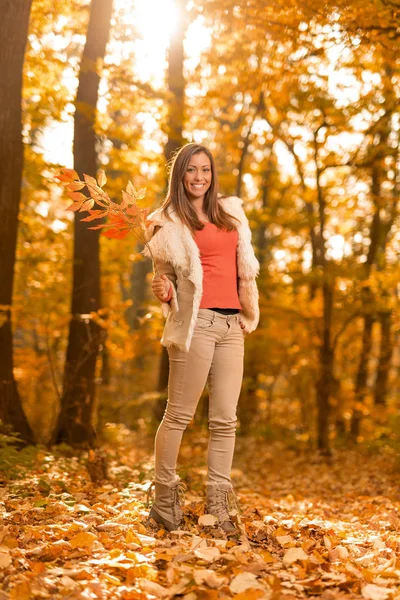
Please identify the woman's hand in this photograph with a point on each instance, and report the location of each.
(160, 287)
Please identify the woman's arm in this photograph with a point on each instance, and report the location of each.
(165, 271)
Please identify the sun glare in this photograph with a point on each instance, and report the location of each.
(155, 21)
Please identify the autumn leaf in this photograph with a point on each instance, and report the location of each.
(207, 520)
(77, 196)
(101, 178)
(87, 205)
(90, 181)
(75, 206)
(293, 555)
(5, 560)
(93, 215)
(209, 554)
(116, 234)
(244, 582)
(74, 186)
(130, 189)
(375, 592)
(71, 173)
(83, 540)
(127, 199)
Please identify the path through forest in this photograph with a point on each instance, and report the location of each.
(310, 529)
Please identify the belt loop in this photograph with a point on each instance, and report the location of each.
(214, 315)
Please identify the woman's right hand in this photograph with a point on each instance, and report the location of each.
(160, 287)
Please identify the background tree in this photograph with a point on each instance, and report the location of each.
(174, 128)
(76, 420)
(13, 30)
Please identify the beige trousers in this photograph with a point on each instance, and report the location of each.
(215, 357)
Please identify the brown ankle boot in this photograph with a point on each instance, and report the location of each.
(220, 501)
(167, 506)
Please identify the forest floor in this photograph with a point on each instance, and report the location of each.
(309, 529)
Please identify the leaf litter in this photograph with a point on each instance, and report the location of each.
(308, 529)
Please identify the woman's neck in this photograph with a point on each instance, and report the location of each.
(198, 206)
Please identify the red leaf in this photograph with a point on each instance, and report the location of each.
(116, 234)
(116, 219)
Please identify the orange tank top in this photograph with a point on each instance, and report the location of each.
(218, 259)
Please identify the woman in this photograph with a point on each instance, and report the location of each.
(205, 278)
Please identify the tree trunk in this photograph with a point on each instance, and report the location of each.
(385, 355)
(176, 84)
(326, 353)
(246, 143)
(76, 422)
(367, 301)
(362, 378)
(174, 129)
(13, 35)
(137, 292)
(324, 384)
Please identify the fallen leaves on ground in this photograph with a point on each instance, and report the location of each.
(308, 529)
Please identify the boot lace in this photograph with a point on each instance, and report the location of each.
(150, 493)
(177, 499)
(225, 503)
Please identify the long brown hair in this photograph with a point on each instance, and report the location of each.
(176, 196)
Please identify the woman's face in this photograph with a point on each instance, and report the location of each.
(198, 176)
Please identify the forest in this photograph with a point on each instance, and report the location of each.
(299, 104)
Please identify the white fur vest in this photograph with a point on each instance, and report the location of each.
(177, 255)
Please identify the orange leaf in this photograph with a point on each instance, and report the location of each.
(87, 205)
(116, 219)
(97, 226)
(101, 178)
(94, 214)
(90, 180)
(130, 188)
(77, 196)
(74, 206)
(70, 173)
(75, 185)
(63, 178)
(132, 210)
(141, 194)
(83, 540)
(127, 199)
